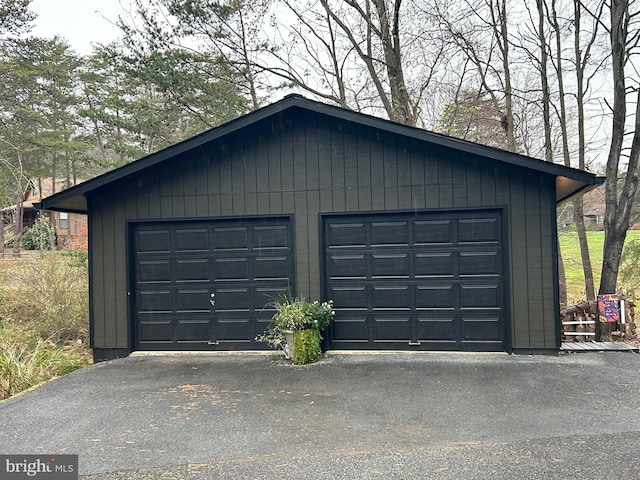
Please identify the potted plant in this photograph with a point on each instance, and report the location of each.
(296, 327)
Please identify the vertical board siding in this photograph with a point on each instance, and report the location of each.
(304, 165)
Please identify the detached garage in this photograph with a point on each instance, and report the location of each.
(423, 241)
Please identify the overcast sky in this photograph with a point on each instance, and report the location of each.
(81, 22)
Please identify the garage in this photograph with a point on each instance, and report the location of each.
(203, 285)
(416, 281)
(423, 241)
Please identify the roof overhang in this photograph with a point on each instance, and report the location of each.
(569, 188)
(570, 182)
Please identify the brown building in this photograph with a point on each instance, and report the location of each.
(68, 226)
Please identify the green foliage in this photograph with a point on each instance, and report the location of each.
(295, 314)
(41, 236)
(306, 346)
(629, 274)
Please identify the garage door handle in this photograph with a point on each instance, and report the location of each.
(212, 302)
(214, 343)
(415, 344)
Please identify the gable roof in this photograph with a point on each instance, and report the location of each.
(569, 181)
(33, 195)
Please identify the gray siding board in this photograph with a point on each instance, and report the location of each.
(122, 207)
(275, 202)
(337, 160)
(98, 294)
(287, 159)
(238, 205)
(352, 169)
(520, 265)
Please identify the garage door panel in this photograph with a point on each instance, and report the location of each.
(480, 263)
(231, 269)
(480, 296)
(396, 297)
(154, 271)
(271, 268)
(230, 239)
(434, 264)
(349, 297)
(192, 300)
(440, 328)
(156, 301)
(393, 265)
(347, 266)
(435, 297)
(156, 330)
(192, 270)
(348, 234)
(232, 299)
(191, 240)
(350, 328)
(389, 233)
(432, 232)
(196, 330)
(156, 241)
(266, 295)
(478, 230)
(271, 237)
(233, 330)
(478, 329)
(387, 329)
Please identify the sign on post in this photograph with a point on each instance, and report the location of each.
(608, 308)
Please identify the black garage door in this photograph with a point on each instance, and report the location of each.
(418, 281)
(203, 285)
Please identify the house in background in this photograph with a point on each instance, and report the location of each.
(67, 225)
(423, 241)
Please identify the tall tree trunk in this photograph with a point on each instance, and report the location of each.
(503, 40)
(562, 277)
(618, 207)
(578, 216)
(19, 208)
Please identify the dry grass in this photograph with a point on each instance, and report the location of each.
(44, 311)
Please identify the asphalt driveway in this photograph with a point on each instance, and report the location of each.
(436, 416)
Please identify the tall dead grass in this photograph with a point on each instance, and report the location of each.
(44, 326)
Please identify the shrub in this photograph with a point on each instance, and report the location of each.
(49, 293)
(306, 346)
(41, 236)
(44, 326)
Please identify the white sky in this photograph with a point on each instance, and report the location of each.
(80, 22)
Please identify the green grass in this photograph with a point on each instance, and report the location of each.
(570, 250)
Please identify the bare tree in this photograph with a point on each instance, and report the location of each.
(624, 34)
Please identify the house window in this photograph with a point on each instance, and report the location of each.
(64, 220)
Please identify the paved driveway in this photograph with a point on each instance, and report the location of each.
(436, 416)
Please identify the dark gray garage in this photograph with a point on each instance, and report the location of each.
(423, 241)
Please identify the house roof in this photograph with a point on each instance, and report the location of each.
(37, 189)
(569, 181)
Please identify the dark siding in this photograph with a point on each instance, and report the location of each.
(304, 165)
